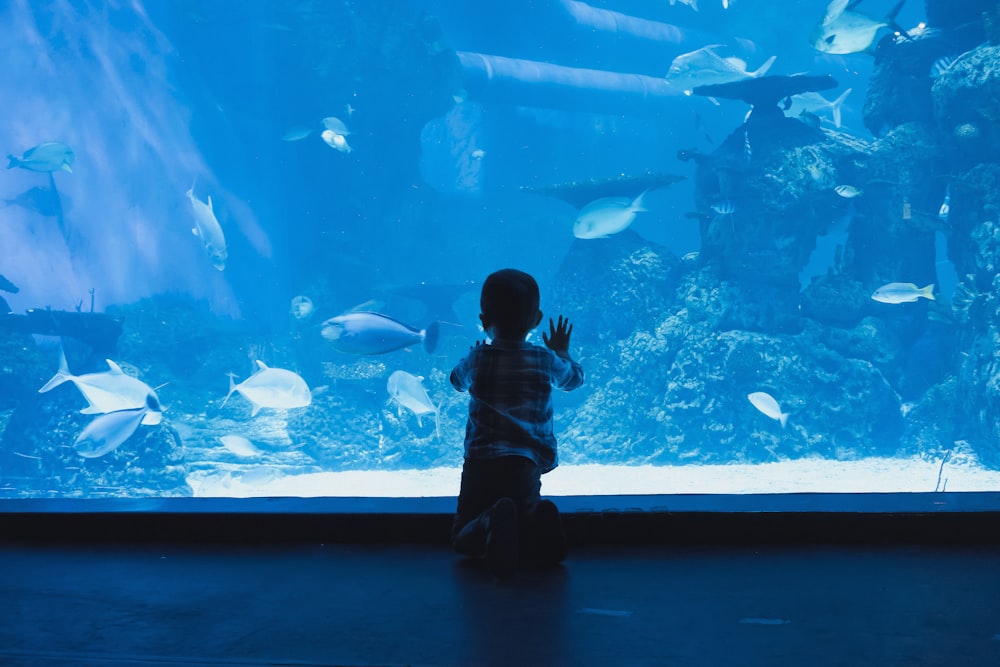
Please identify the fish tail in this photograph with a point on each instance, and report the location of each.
(232, 388)
(928, 292)
(835, 106)
(783, 419)
(13, 161)
(431, 336)
(637, 203)
(62, 375)
(762, 70)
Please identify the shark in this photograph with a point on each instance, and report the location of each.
(271, 388)
(109, 391)
(408, 391)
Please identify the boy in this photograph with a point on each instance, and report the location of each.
(509, 442)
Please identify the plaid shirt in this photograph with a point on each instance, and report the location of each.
(510, 410)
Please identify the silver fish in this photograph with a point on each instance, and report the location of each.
(110, 430)
(374, 333)
(764, 402)
(848, 191)
(844, 31)
(110, 391)
(902, 293)
(239, 445)
(271, 388)
(408, 391)
(50, 156)
(207, 228)
(606, 216)
(816, 104)
(704, 66)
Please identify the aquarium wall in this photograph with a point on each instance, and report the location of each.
(242, 248)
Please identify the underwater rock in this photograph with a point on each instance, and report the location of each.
(967, 106)
(835, 299)
(899, 90)
(616, 285)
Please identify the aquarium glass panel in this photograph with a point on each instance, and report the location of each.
(243, 246)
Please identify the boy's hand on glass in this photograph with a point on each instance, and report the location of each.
(557, 339)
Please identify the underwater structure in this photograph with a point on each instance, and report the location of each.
(378, 176)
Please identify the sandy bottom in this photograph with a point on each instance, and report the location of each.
(873, 475)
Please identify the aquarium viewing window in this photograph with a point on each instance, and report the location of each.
(241, 251)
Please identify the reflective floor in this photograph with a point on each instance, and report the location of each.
(183, 604)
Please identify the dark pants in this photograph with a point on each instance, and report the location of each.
(484, 482)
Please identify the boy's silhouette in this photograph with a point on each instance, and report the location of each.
(509, 442)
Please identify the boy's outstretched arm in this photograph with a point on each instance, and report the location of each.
(568, 373)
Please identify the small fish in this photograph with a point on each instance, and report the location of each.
(373, 333)
(848, 191)
(942, 65)
(816, 105)
(271, 388)
(44, 201)
(239, 445)
(844, 31)
(349, 110)
(48, 157)
(335, 141)
(764, 402)
(902, 293)
(296, 134)
(110, 430)
(704, 67)
(408, 391)
(724, 207)
(945, 209)
(110, 391)
(606, 216)
(207, 228)
(302, 308)
(810, 119)
(477, 154)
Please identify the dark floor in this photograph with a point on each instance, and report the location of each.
(184, 604)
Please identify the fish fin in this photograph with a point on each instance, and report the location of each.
(210, 204)
(115, 368)
(714, 101)
(232, 388)
(928, 292)
(431, 336)
(783, 419)
(194, 230)
(762, 70)
(92, 410)
(636, 206)
(152, 418)
(65, 167)
(62, 375)
(256, 409)
(437, 423)
(420, 422)
(13, 161)
(835, 106)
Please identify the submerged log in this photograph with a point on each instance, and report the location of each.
(98, 330)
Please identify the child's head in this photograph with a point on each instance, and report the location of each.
(509, 304)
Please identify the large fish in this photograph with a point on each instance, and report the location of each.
(207, 228)
(48, 157)
(110, 391)
(374, 333)
(606, 216)
(408, 391)
(902, 293)
(705, 67)
(272, 388)
(843, 30)
(814, 103)
(110, 430)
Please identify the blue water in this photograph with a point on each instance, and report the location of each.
(476, 132)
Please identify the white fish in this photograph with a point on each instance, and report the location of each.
(334, 124)
(207, 228)
(408, 391)
(764, 402)
(110, 391)
(50, 156)
(302, 308)
(296, 134)
(374, 333)
(336, 141)
(705, 66)
(724, 207)
(845, 31)
(902, 293)
(606, 216)
(239, 445)
(110, 430)
(945, 209)
(848, 191)
(271, 388)
(816, 104)
(477, 154)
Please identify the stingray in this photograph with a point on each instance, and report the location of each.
(580, 193)
(768, 90)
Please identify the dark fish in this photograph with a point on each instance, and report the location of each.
(7, 286)
(43, 201)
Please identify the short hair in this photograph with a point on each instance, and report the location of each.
(509, 300)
